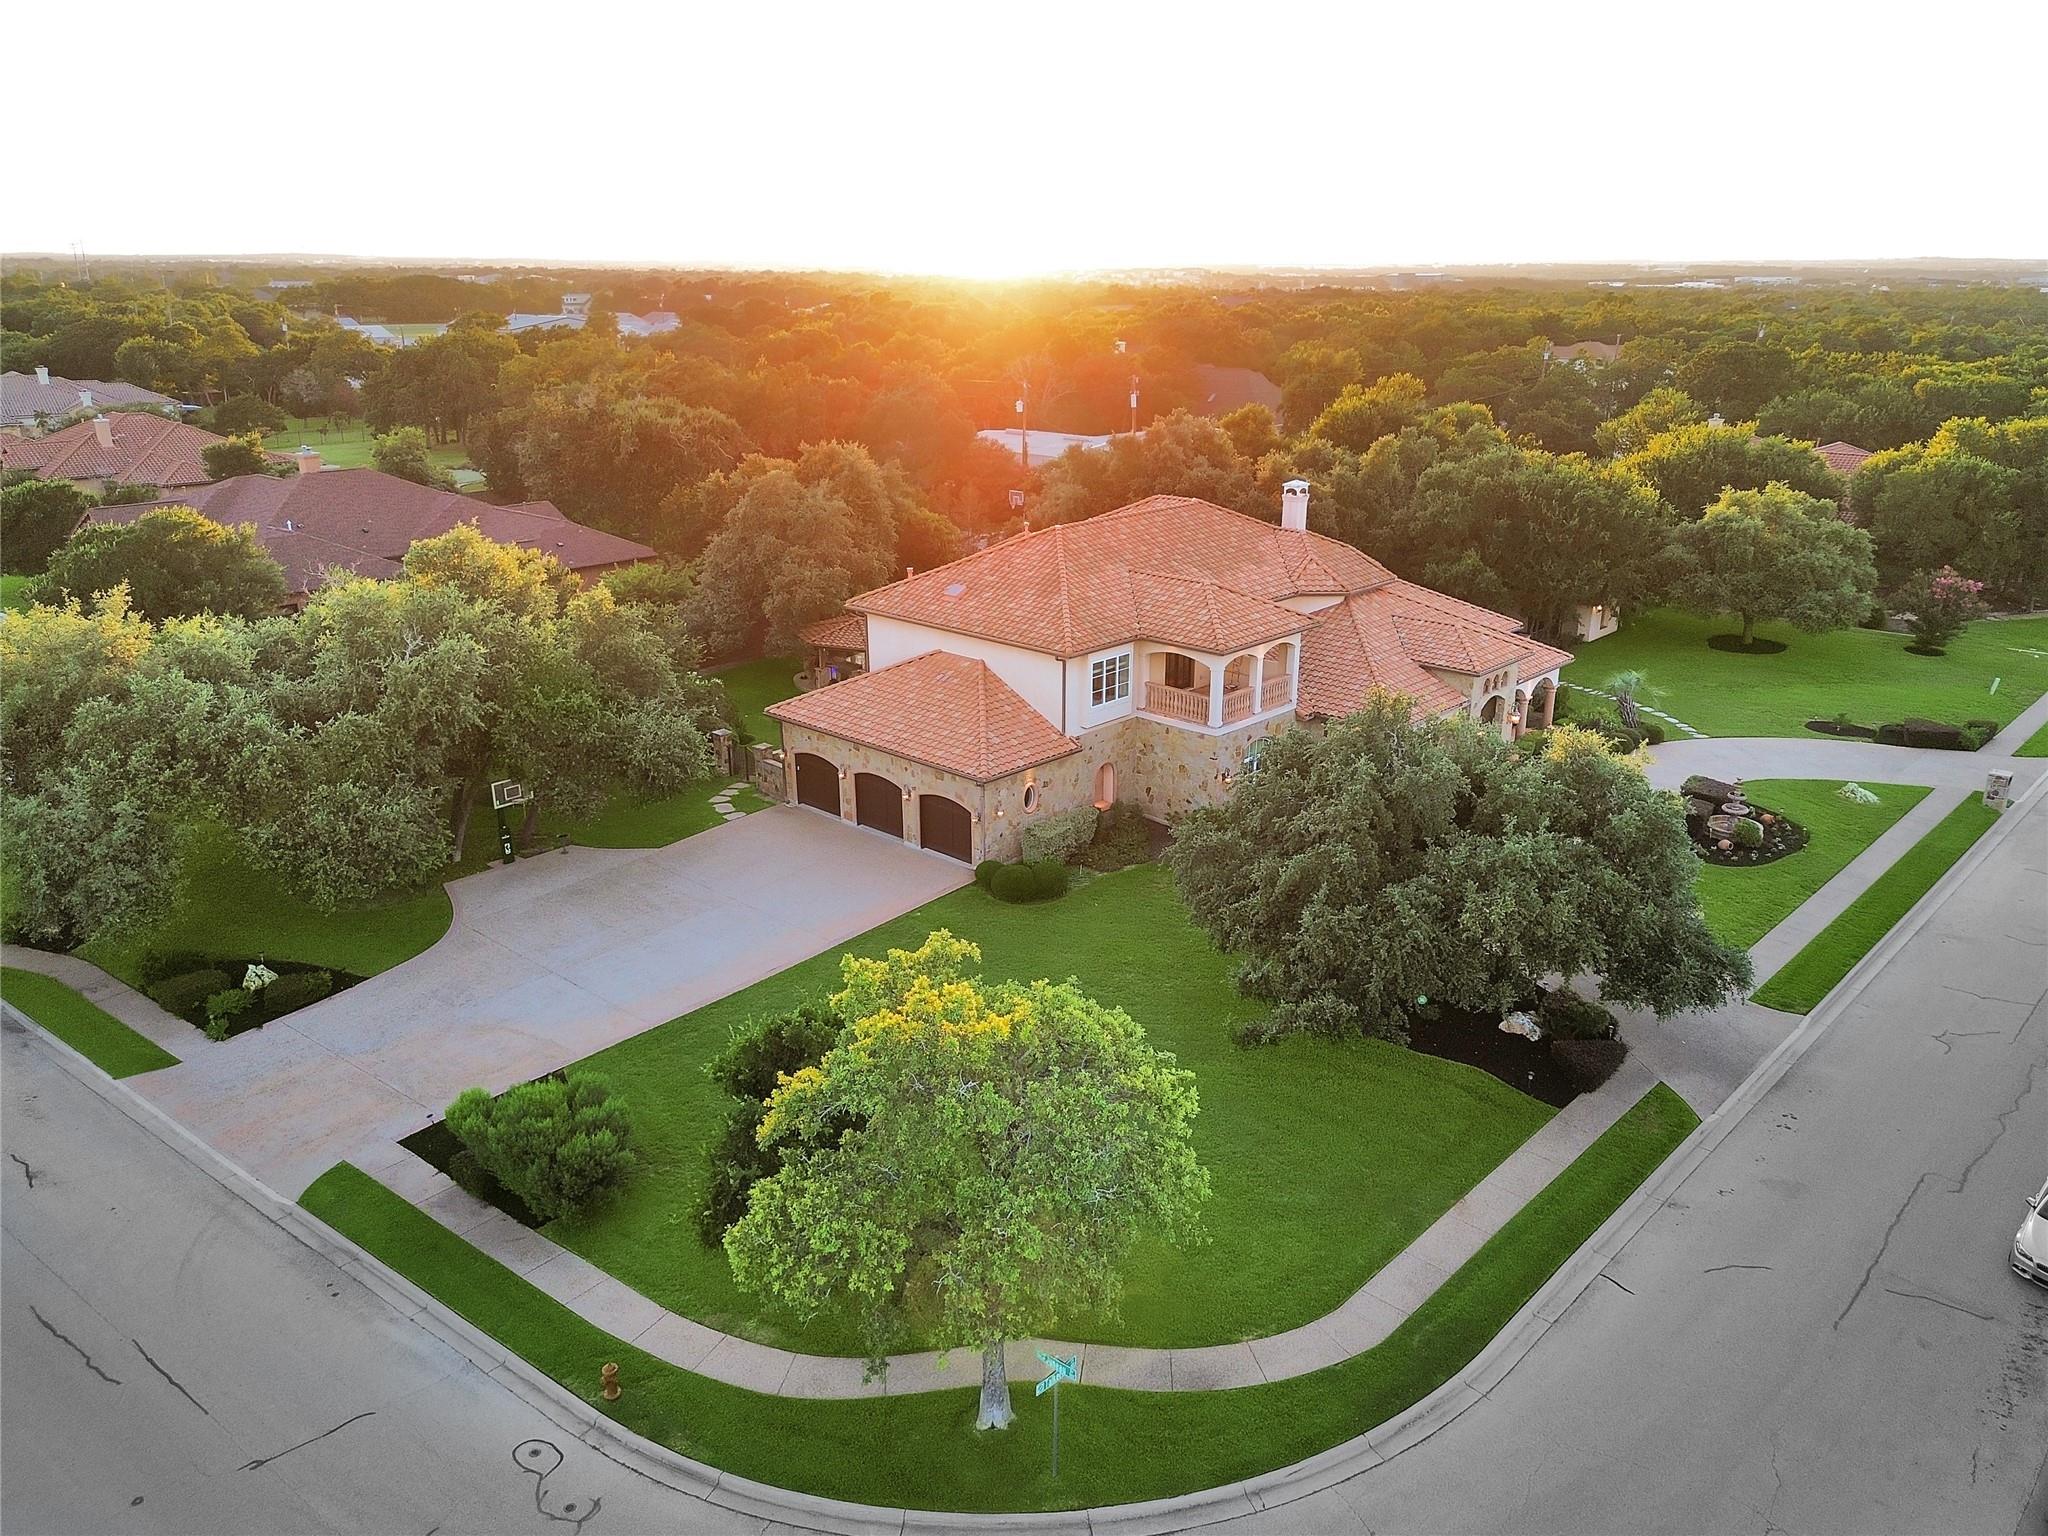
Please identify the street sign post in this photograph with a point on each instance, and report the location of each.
(1068, 1369)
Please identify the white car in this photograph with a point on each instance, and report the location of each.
(2030, 1247)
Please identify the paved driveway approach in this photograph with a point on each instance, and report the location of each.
(547, 960)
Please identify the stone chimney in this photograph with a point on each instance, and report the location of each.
(1294, 505)
(103, 431)
(42, 375)
(307, 460)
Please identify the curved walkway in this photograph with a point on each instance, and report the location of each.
(1704, 1057)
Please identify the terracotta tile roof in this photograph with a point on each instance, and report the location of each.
(1595, 351)
(841, 632)
(146, 450)
(1843, 458)
(1069, 589)
(1205, 615)
(1389, 638)
(364, 520)
(946, 711)
(24, 397)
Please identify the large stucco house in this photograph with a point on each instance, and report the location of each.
(1140, 655)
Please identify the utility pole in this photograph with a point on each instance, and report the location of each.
(1024, 423)
(1134, 405)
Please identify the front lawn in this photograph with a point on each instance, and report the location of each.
(753, 686)
(1116, 1446)
(1865, 674)
(350, 447)
(1830, 955)
(1742, 905)
(14, 593)
(1327, 1158)
(2035, 745)
(83, 1025)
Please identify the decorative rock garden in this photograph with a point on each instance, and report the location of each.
(1726, 829)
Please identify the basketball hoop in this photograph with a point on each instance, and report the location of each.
(506, 793)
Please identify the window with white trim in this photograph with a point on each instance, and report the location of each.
(1109, 679)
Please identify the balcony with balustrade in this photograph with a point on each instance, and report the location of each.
(1194, 692)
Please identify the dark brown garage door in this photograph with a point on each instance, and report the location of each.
(878, 803)
(945, 827)
(817, 782)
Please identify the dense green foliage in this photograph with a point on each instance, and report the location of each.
(1778, 554)
(1388, 861)
(36, 517)
(176, 564)
(1117, 1446)
(557, 1144)
(405, 452)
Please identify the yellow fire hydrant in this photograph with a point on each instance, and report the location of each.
(609, 1375)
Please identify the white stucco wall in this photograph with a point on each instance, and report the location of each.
(1038, 678)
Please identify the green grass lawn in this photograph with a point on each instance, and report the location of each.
(83, 1025)
(1328, 1158)
(656, 823)
(1866, 674)
(1116, 1446)
(2035, 745)
(753, 686)
(1814, 972)
(14, 592)
(1742, 905)
(349, 448)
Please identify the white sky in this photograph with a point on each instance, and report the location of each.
(982, 140)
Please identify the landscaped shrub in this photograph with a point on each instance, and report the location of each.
(1015, 882)
(1653, 733)
(1122, 838)
(1060, 837)
(749, 1068)
(1565, 1015)
(557, 1144)
(1588, 1063)
(1974, 736)
(297, 990)
(1748, 833)
(186, 994)
(1891, 735)
(224, 1010)
(161, 965)
(985, 873)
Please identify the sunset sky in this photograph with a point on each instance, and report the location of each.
(996, 141)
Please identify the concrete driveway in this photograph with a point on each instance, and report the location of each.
(546, 961)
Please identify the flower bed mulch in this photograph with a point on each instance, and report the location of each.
(1782, 835)
(257, 1016)
(1478, 1041)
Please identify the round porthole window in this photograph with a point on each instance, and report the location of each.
(1031, 797)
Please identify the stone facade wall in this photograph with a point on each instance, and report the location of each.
(852, 758)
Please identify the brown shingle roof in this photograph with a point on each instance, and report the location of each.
(948, 712)
(1070, 589)
(1843, 458)
(146, 450)
(364, 520)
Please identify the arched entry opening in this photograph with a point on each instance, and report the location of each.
(1543, 705)
(1105, 786)
(945, 826)
(878, 803)
(1491, 712)
(817, 782)
(1520, 719)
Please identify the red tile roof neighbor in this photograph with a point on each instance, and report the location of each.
(1070, 589)
(1843, 458)
(145, 450)
(948, 712)
(1593, 351)
(364, 520)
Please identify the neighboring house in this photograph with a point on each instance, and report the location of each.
(575, 314)
(1591, 621)
(1584, 352)
(1223, 390)
(1141, 655)
(1035, 448)
(1843, 458)
(125, 448)
(363, 520)
(30, 400)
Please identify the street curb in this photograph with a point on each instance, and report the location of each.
(1270, 1490)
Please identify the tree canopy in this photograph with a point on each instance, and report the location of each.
(1774, 554)
(404, 452)
(972, 1157)
(1690, 466)
(175, 563)
(1388, 860)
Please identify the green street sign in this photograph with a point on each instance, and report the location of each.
(1068, 1369)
